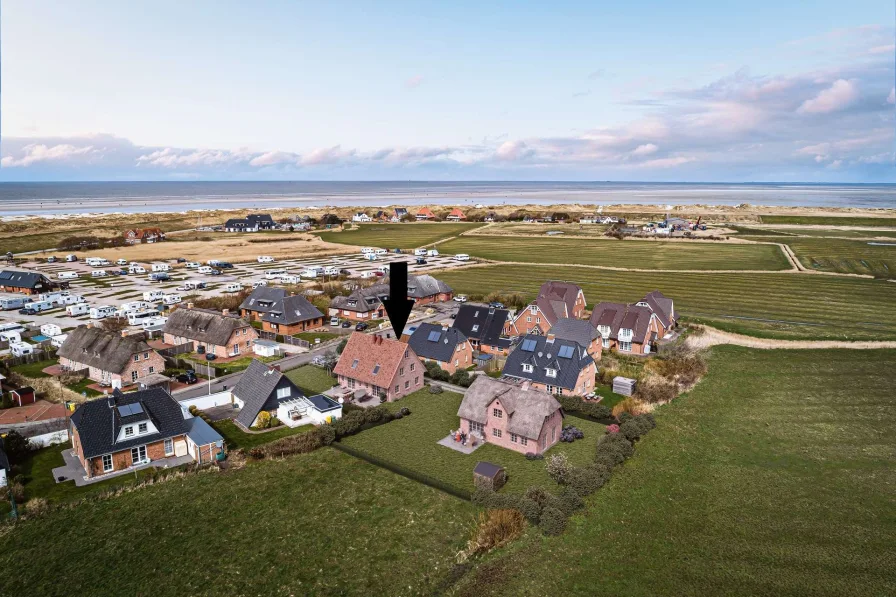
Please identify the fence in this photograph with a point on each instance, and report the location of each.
(208, 370)
(176, 350)
(37, 355)
(263, 335)
(406, 472)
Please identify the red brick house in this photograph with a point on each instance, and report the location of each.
(630, 329)
(425, 289)
(555, 300)
(664, 309)
(280, 312)
(456, 215)
(383, 367)
(24, 282)
(510, 415)
(122, 432)
(221, 334)
(443, 345)
(484, 327)
(139, 235)
(581, 332)
(425, 214)
(548, 363)
(108, 356)
(361, 305)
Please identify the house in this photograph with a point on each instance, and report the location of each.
(251, 223)
(139, 235)
(23, 396)
(124, 431)
(262, 300)
(513, 416)
(381, 216)
(221, 334)
(443, 345)
(426, 289)
(383, 367)
(456, 215)
(265, 388)
(483, 326)
(425, 214)
(664, 309)
(556, 300)
(109, 357)
(491, 217)
(579, 331)
(24, 282)
(266, 348)
(363, 304)
(628, 328)
(290, 315)
(360, 217)
(400, 213)
(551, 364)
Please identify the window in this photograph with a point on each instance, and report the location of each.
(376, 368)
(529, 319)
(145, 356)
(550, 389)
(476, 427)
(400, 370)
(142, 428)
(456, 362)
(283, 392)
(136, 358)
(152, 369)
(413, 366)
(138, 455)
(351, 383)
(538, 320)
(169, 447)
(513, 437)
(496, 432)
(355, 364)
(533, 309)
(553, 433)
(397, 388)
(407, 384)
(550, 372)
(475, 328)
(625, 346)
(416, 381)
(107, 463)
(527, 367)
(406, 353)
(133, 376)
(606, 342)
(496, 412)
(128, 431)
(523, 441)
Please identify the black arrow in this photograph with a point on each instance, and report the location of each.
(398, 305)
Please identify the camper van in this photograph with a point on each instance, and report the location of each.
(205, 269)
(232, 287)
(273, 274)
(12, 302)
(138, 317)
(53, 297)
(432, 253)
(102, 312)
(371, 257)
(172, 299)
(78, 309)
(309, 273)
(160, 267)
(95, 261)
(67, 275)
(153, 296)
(193, 265)
(420, 252)
(50, 329)
(58, 341)
(71, 299)
(331, 270)
(191, 285)
(71, 258)
(121, 262)
(136, 269)
(381, 252)
(258, 283)
(265, 259)
(159, 277)
(366, 275)
(36, 307)
(10, 337)
(20, 349)
(12, 327)
(153, 322)
(134, 306)
(461, 257)
(290, 279)
(98, 273)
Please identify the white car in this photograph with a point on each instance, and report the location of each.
(258, 283)
(366, 250)
(265, 259)
(121, 262)
(461, 298)
(193, 264)
(461, 257)
(420, 252)
(204, 269)
(273, 274)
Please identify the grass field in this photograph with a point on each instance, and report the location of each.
(311, 336)
(402, 236)
(411, 443)
(829, 220)
(630, 254)
(311, 379)
(767, 233)
(34, 370)
(845, 256)
(789, 306)
(237, 438)
(319, 524)
(779, 483)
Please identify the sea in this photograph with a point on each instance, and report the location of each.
(60, 198)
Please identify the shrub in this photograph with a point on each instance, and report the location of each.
(587, 480)
(301, 443)
(327, 434)
(569, 501)
(482, 496)
(18, 491)
(37, 506)
(405, 411)
(350, 424)
(530, 509)
(193, 410)
(374, 415)
(570, 434)
(275, 422)
(534, 456)
(263, 421)
(553, 521)
(624, 417)
(257, 453)
(616, 442)
(614, 428)
(398, 415)
(681, 365)
(596, 411)
(435, 389)
(648, 419)
(628, 405)
(494, 529)
(631, 430)
(655, 389)
(558, 468)
(604, 459)
(17, 447)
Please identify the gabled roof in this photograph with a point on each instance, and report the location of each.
(560, 295)
(362, 300)
(96, 347)
(481, 323)
(662, 306)
(425, 285)
(257, 389)
(432, 341)
(542, 354)
(401, 211)
(291, 310)
(366, 353)
(526, 408)
(203, 325)
(425, 211)
(263, 299)
(99, 421)
(18, 279)
(621, 316)
(457, 213)
(576, 330)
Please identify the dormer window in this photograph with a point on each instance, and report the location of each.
(129, 431)
(376, 369)
(141, 428)
(527, 367)
(533, 309)
(136, 357)
(550, 372)
(475, 328)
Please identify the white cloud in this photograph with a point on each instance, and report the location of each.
(414, 82)
(38, 152)
(838, 96)
(891, 99)
(274, 158)
(646, 149)
(885, 49)
(327, 155)
(513, 151)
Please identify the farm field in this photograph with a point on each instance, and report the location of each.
(787, 306)
(748, 232)
(411, 443)
(829, 220)
(515, 228)
(317, 524)
(771, 484)
(845, 256)
(630, 253)
(402, 236)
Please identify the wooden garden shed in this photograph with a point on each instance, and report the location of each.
(489, 476)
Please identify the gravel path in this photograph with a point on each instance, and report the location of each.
(712, 337)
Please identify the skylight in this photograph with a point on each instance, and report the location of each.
(475, 328)
(565, 352)
(434, 336)
(529, 345)
(126, 410)
(355, 364)
(376, 369)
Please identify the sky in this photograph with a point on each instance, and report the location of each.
(270, 90)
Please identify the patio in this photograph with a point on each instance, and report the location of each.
(74, 471)
(449, 442)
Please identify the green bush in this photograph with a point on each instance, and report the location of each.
(596, 410)
(604, 459)
(624, 417)
(17, 447)
(327, 434)
(586, 480)
(649, 419)
(461, 378)
(569, 501)
(531, 510)
(300, 443)
(631, 430)
(558, 467)
(553, 521)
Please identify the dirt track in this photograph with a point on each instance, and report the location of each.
(713, 337)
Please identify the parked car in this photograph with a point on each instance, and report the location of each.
(361, 327)
(461, 298)
(193, 264)
(181, 260)
(71, 258)
(346, 324)
(52, 259)
(225, 265)
(258, 283)
(121, 262)
(215, 272)
(187, 377)
(421, 261)
(496, 305)
(265, 259)
(334, 321)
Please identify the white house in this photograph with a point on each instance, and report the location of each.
(360, 217)
(266, 348)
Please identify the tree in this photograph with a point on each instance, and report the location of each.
(17, 447)
(558, 468)
(341, 346)
(114, 324)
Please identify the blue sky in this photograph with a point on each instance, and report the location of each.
(450, 91)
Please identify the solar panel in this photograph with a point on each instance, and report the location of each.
(126, 410)
(529, 345)
(434, 336)
(565, 352)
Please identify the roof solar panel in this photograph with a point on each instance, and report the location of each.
(434, 336)
(565, 352)
(529, 345)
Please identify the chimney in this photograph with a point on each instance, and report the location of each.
(189, 305)
(274, 367)
(89, 325)
(225, 312)
(550, 337)
(525, 385)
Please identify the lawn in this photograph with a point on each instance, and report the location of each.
(829, 220)
(846, 256)
(310, 336)
(789, 306)
(774, 476)
(34, 370)
(402, 236)
(318, 524)
(629, 254)
(225, 367)
(411, 443)
(237, 438)
(311, 379)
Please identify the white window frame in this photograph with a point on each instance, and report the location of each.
(129, 431)
(625, 346)
(283, 392)
(142, 427)
(138, 450)
(527, 368)
(169, 447)
(550, 372)
(111, 465)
